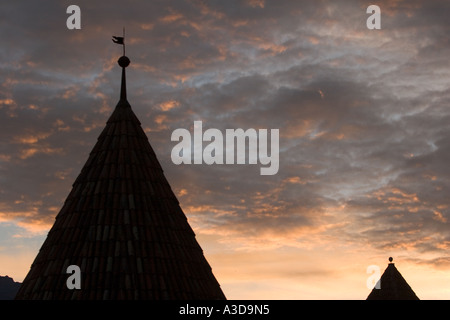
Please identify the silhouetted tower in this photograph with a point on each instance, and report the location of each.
(123, 226)
(392, 286)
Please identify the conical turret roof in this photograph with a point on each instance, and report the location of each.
(123, 226)
(392, 286)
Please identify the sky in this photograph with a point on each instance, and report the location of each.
(363, 118)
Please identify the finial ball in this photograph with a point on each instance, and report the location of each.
(390, 259)
(123, 61)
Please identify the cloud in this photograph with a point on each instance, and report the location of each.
(363, 115)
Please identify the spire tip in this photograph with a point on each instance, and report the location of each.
(123, 61)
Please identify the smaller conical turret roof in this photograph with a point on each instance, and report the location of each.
(392, 286)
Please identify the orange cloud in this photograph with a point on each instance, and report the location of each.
(170, 18)
(7, 102)
(29, 221)
(168, 105)
(29, 152)
(31, 138)
(147, 26)
(256, 3)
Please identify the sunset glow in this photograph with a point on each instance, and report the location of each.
(363, 118)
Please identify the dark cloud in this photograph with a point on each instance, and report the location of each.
(363, 115)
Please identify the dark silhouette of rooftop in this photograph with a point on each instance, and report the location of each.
(8, 288)
(392, 286)
(123, 226)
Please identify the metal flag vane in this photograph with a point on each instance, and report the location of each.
(123, 62)
(120, 40)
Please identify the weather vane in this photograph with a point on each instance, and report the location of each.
(120, 40)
